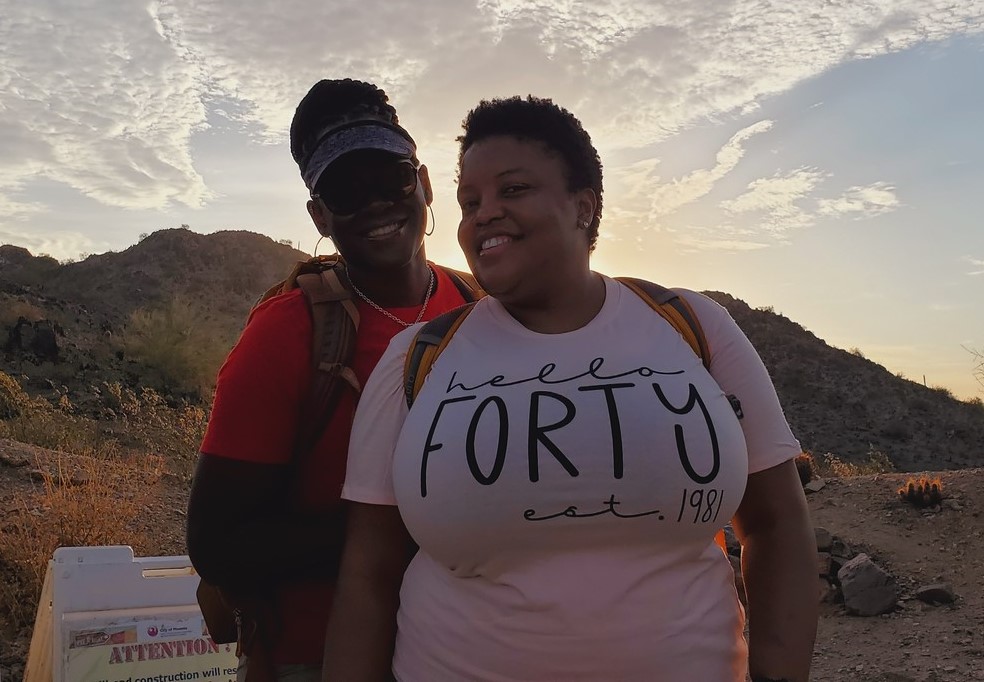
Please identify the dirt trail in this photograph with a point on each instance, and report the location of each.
(916, 643)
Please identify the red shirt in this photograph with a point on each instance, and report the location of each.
(255, 417)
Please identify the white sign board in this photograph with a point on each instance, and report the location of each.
(116, 618)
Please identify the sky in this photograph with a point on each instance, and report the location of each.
(822, 158)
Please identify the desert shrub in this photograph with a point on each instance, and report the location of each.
(38, 422)
(141, 422)
(176, 342)
(13, 399)
(148, 423)
(12, 309)
(78, 501)
(832, 466)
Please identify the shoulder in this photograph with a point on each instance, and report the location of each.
(286, 306)
(701, 303)
(714, 318)
(279, 326)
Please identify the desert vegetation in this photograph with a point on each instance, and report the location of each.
(89, 478)
(178, 350)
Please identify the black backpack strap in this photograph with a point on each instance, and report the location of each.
(427, 344)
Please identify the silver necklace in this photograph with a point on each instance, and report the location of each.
(423, 308)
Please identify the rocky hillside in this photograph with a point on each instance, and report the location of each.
(840, 402)
(64, 328)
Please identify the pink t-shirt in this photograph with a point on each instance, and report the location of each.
(565, 491)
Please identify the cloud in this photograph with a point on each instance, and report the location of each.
(107, 97)
(671, 197)
(777, 201)
(978, 265)
(693, 243)
(60, 244)
(95, 99)
(638, 200)
(862, 202)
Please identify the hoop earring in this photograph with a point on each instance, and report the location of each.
(318, 243)
(433, 222)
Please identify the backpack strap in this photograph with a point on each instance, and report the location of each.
(334, 322)
(675, 310)
(465, 282)
(429, 342)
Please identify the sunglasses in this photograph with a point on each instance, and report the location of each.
(349, 190)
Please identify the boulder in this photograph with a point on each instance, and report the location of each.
(868, 590)
(938, 593)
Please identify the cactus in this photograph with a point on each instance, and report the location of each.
(922, 492)
(804, 467)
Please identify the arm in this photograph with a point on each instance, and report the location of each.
(362, 628)
(779, 566)
(242, 531)
(241, 535)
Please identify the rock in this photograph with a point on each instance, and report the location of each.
(839, 548)
(731, 541)
(814, 486)
(739, 582)
(826, 593)
(938, 593)
(867, 589)
(824, 539)
(952, 505)
(823, 563)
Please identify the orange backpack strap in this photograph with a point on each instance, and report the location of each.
(675, 310)
(334, 323)
(429, 342)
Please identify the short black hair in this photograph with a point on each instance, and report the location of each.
(335, 101)
(540, 120)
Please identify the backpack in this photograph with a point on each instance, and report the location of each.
(334, 323)
(435, 335)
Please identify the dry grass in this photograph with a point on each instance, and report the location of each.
(77, 500)
(128, 423)
(103, 474)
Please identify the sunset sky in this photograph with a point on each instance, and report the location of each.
(824, 158)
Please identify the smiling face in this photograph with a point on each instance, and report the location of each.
(386, 229)
(522, 229)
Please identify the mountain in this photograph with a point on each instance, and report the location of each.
(840, 402)
(68, 327)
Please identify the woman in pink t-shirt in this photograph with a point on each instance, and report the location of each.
(547, 508)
